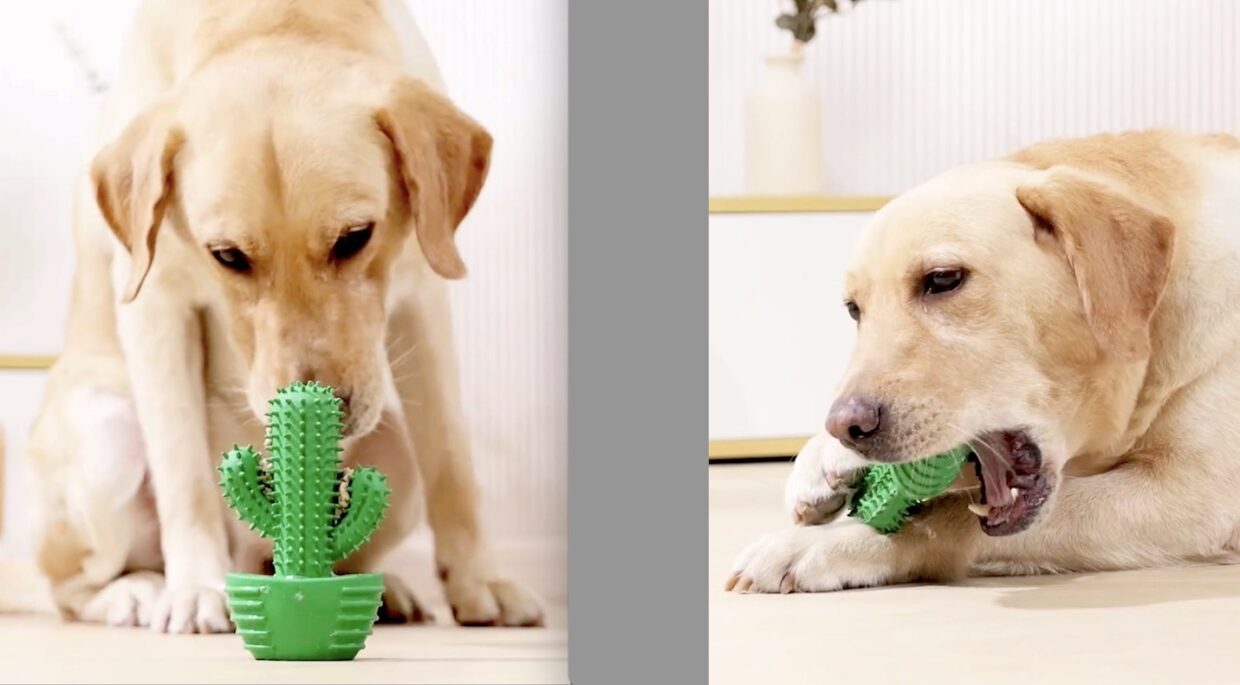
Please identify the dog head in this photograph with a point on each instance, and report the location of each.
(298, 188)
(1006, 307)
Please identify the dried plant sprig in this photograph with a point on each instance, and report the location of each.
(802, 22)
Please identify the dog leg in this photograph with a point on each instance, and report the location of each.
(400, 605)
(96, 521)
(1094, 524)
(95, 574)
(1133, 516)
(387, 448)
(428, 384)
(849, 554)
(935, 545)
(127, 601)
(231, 422)
(843, 554)
(163, 345)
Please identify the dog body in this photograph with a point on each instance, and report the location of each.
(274, 200)
(1069, 312)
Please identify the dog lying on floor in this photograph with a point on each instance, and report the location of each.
(1069, 311)
(276, 202)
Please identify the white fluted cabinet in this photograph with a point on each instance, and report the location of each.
(779, 337)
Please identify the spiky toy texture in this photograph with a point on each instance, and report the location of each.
(888, 491)
(294, 497)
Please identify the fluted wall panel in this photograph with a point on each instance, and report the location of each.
(912, 87)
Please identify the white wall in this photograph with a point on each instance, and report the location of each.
(779, 337)
(506, 64)
(912, 87)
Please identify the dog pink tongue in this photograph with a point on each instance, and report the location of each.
(994, 475)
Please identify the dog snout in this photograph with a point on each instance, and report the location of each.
(855, 419)
(348, 425)
(345, 397)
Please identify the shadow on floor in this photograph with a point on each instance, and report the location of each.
(1118, 588)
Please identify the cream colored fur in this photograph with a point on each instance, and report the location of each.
(273, 128)
(1100, 313)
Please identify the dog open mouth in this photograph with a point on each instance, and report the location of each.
(1014, 484)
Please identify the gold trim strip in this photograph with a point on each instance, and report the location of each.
(25, 361)
(761, 447)
(2, 448)
(757, 204)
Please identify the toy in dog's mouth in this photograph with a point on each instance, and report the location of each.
(1014, 483)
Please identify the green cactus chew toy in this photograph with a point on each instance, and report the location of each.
(888, 491)
(317, 513)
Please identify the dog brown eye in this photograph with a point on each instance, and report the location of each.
(352, 242)
(232, 259)
(853, 310)
(941, 281)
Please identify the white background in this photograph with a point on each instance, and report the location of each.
(504, 63)
(779, 336)
(912, 87)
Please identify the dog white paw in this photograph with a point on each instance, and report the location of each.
(823, 478)
(127, 601)
(845, 554)
(399, 604)
(477, 602)
(191, 609)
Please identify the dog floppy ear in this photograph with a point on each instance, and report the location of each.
(1120, 252)
(132, 179)
(443, 157)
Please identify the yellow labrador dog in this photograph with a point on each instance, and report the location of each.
(274, 200)
(1071, 312)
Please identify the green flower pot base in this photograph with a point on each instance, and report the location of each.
(304, 619)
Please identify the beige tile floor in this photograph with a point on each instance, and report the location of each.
(1151, 626)
(41, 649)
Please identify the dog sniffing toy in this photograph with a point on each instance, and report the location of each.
(317, 513)
(888, 490)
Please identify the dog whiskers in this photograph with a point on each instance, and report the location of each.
(405, 377)
(411, 403)
(400, 358)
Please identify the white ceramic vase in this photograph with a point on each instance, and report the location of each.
(783, 132)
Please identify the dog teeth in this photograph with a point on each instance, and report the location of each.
(1015, 493)
(982, 510)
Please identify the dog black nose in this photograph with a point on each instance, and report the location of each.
(854, 419)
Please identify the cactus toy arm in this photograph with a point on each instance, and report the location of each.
(889, 490)
(368, 498)
(240, 474)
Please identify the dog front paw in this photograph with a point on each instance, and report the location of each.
(824, 477)
(191, 608)
(479, 602)
(127, 601)
(400, 605)
(845, 554)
